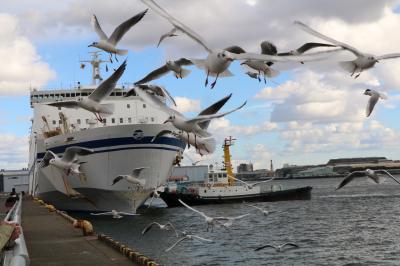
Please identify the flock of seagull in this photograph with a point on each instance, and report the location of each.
(194, 130)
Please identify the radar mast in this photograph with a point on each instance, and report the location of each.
(96, 61)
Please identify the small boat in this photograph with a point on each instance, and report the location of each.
(221, 186)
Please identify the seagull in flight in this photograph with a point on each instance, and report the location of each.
(363, 60)
(132, 178)
(168, 226)
(115, 214)
(108, 44)
(192, 125)
(171, 33)
(279, 248)
(372, 174)
(252, 185)
(170, 66)
(372, 100)
(213, 221)
(305, 47)
(157, 90)
(68, 162)
(92, 103)
(263, 211)
(189, 237)
(218, 60)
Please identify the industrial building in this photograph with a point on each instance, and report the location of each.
(18, 179)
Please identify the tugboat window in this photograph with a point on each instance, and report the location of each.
(113, 120)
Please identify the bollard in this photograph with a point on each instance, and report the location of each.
(86, 226)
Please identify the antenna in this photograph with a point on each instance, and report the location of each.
(95, 62)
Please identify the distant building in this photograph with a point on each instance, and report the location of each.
(18, 179)
(357, 160)
(245, 167)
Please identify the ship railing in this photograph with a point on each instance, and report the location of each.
(18, 254)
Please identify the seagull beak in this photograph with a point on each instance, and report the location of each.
(376, 61)
(166, 121)
(90, 45)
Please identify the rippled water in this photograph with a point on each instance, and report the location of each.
(358, 225)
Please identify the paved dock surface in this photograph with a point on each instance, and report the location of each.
(51, 240)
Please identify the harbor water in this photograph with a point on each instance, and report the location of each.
(357, 225)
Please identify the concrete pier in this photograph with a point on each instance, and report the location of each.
(51, 240)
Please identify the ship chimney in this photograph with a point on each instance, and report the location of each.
(272, 166)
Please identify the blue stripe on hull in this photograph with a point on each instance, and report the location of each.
(107, 143)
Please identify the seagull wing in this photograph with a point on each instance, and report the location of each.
(192, 209)
(131, 92)
(128, 213)
(124, 27)
(326, 38)
(266, 246)
(102, 213)
(290, 245)
(155, 74)
(348, 179)
(202, 238)
(46, 159)
(201, 118)
(106, 87)
(145, 230)
(117, 179)
(371, 104)
(235, 49)
(161, 133)
(168, 34)
(177, 24)
(387, 56)
(184, 62)
(388, 174)
(66, 104)
(212, 109)
(97, 28)
(136, 172)
(173, 227)
(176, 243)
(71, 153)
(268, 48)
(239, 217)
(258, 208)
(311, 45)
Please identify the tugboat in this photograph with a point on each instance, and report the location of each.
(220, 186)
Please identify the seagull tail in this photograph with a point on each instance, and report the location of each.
(348, 66)
(121, 52)
(271, 73)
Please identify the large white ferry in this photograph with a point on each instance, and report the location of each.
(121, 142)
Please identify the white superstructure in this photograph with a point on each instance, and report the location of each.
(121, 142)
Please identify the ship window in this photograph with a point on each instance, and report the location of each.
(215, 179)
(205, 191)
(54, 122)
(84, 94)
(129, 120)
(128, 106)
(118, 93)
(152, 119)
(59, 121)
(87, 121)
(224, 175)
(104, 121)
(78, 121)
(113, 120)
(113, 94)
(68, 95)
(121, 120)
(144, 105)
(219, 175)
(78, 94)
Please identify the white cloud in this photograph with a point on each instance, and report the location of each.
(184, 105)
(14, 151)
(219, 127)
(22, 67)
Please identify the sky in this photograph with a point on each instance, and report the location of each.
(306, 115)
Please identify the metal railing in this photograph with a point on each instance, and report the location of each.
(18, 254)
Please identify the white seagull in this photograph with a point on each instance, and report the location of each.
(108, 44)
(171, 33)
(305, 47)
(193, 125)
(372, 174)
(189, 237)
(157, 90)
(115, 214)
(252, 185)
(279, 248)
(203, 145)
(170, 66)
(214, 221)
(68, 162)
(263, 211)
(132, 178)
(363, 60)
(168, 226)
(92, 103)
(372, 100)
